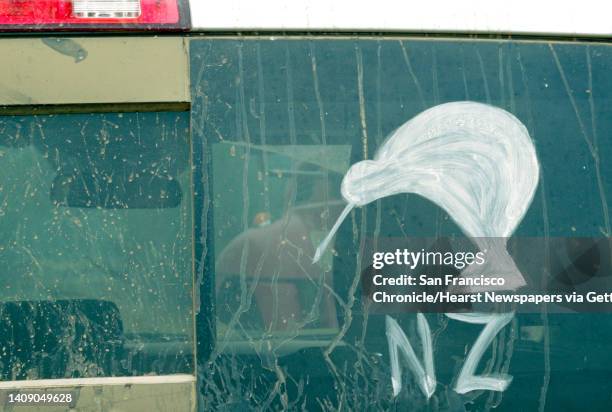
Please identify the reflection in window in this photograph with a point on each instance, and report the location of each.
(272, 205)
(96, 245)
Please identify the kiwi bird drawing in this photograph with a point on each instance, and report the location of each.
(475, 161)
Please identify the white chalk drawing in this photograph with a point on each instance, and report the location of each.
(475, 161)
(467, 381)
(425, 377)
(398, 342)
(478, 163)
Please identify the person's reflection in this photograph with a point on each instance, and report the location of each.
(275, 260)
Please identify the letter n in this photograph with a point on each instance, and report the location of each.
(398, 342)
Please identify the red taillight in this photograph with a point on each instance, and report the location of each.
(36, 14)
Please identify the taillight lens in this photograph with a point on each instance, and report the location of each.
(40, 14)
(106, 9)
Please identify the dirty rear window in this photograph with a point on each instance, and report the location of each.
(280, 124)
(96, 245)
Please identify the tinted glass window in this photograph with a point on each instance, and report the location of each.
(96, 245)
(277, 125)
